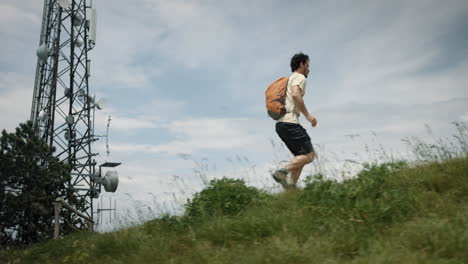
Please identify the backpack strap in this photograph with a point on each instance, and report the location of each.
(286, 94)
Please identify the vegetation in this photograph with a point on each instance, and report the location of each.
(223, 197)
(31, 178)
(389, 213)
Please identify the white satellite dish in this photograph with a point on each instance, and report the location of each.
(111, 181)
(90, 99)
(42, 115)
(64, 3)
(101, 103)
(42, 52)
(77, 20)
(79, 42)
(81, 95)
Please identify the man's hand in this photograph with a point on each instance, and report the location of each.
(312, 120)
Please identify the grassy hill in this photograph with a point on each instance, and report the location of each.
(390, 213)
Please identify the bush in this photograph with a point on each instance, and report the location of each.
(223, 196)
(371, 196)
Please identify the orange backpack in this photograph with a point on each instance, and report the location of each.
(276, 98)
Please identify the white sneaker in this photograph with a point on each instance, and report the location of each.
(281, 176)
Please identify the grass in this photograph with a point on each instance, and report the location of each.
(389, 213)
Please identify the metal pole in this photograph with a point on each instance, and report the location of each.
(65, 204)
(90, 226)
(57, 207)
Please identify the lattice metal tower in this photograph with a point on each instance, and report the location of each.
(62, 107)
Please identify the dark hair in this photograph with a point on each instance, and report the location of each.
(297, 59)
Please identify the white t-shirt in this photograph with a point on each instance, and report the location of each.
(292, 113)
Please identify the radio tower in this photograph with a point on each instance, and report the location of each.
(62, 108)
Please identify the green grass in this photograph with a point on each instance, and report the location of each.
(390, 213)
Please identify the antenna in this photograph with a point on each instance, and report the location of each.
(110, 209)
(63, 107)
(92, 27)
(107, 135)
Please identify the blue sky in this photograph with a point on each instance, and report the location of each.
(188, 78)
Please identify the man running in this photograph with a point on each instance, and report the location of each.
(288, 127)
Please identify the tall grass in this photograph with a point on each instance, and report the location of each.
(330, 165)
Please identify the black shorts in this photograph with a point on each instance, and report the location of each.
(295, 137)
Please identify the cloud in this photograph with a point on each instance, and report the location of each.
(390, 119)
(12, 14)
(407, 89)
(390, 65)
(15, 99)
(365, 51)
(119, 75)
(19, 30)
(200, 134)
(152, 114)
(120, 122)
(195, 33)
(464, 117)
(163, 108)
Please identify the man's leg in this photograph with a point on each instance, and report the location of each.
(296, 165)
(298, 141)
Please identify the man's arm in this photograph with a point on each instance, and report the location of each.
(299, 101)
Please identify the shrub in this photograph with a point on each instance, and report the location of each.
(370, 196)
(224, 196)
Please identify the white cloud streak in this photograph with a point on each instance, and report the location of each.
(200, 134)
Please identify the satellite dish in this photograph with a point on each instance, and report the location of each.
(81, 95)
(42, 115)
(67, 92)
(64, 3)
(94, 194)
(77, 20)
(70, 120)
(79, 42)
(101, 103)
(111, 181)
(69, 134)
(91, 99)
(42, 52)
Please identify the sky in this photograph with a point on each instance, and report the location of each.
(185, 80)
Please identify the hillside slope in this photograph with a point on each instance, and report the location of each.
(390, 213)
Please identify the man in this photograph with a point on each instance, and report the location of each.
(288, 127)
